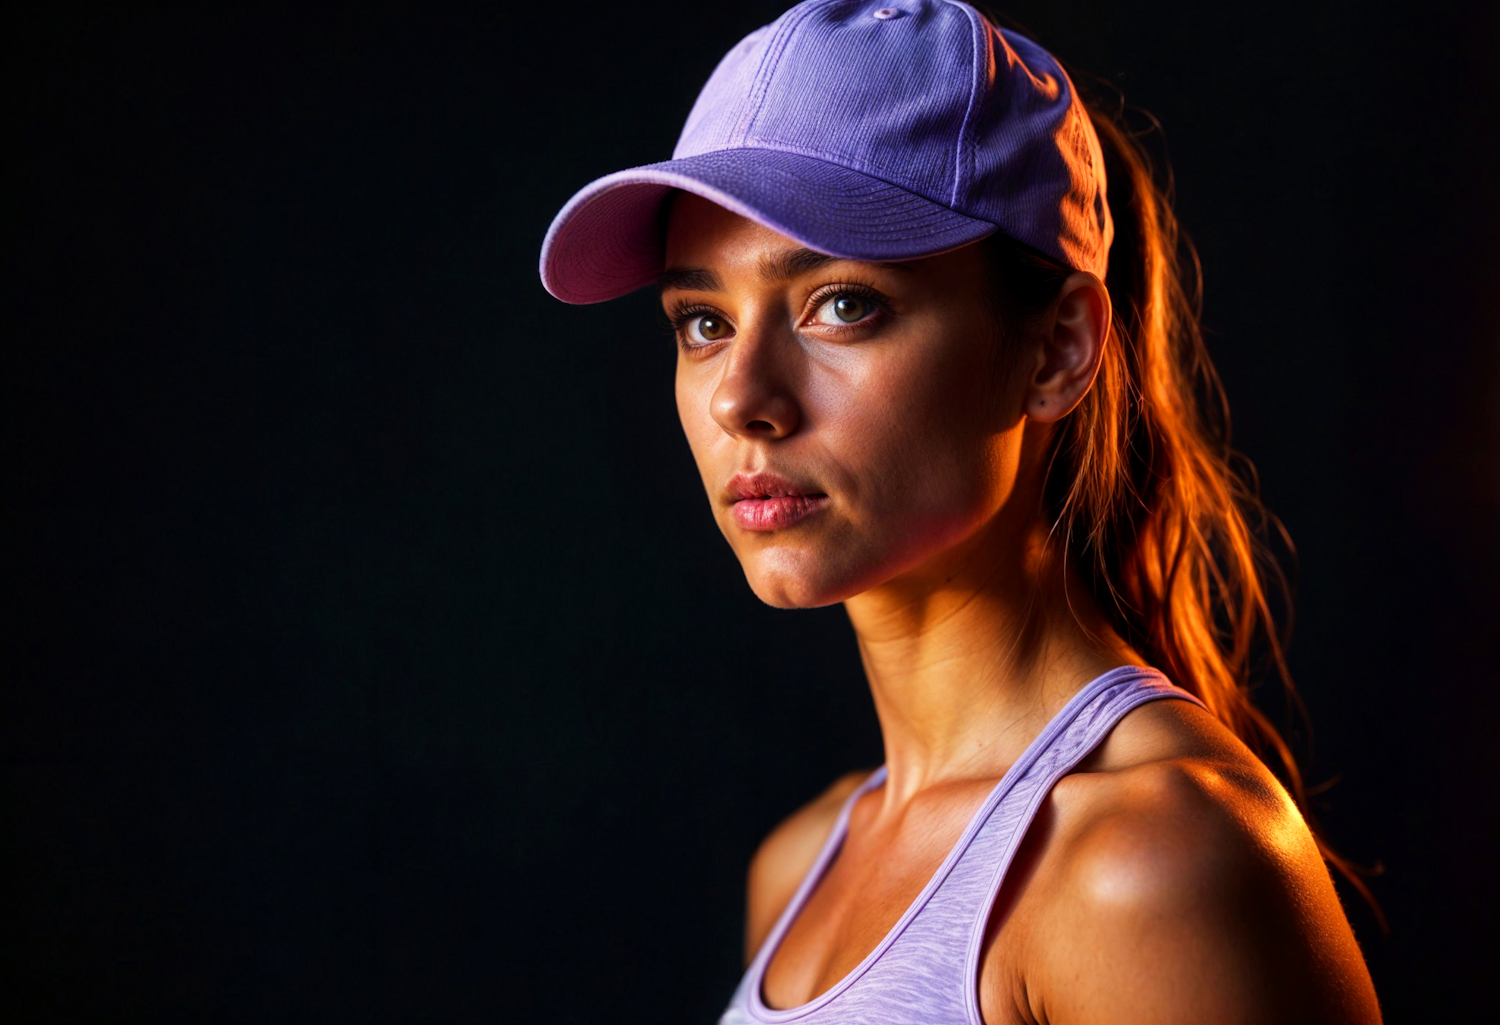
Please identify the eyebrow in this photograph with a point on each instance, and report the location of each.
(771, 270)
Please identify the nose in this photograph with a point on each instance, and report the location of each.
(756, 395)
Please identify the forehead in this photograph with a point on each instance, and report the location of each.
(700, 232)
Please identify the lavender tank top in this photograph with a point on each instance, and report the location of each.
(926, 969)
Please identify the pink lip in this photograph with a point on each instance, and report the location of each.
(769, 501)
(774, 513)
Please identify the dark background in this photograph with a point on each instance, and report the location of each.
(370, 653)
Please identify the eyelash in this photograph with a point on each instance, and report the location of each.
(684, 312)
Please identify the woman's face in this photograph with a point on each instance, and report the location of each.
(868, 389)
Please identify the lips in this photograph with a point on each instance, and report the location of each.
(750, 486)
(769, 501)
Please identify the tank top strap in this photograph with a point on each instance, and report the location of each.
(925, 970)
(963, 903)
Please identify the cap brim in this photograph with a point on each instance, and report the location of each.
(607, 240)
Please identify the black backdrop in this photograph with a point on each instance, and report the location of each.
(370, 653)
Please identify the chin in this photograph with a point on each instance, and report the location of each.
(784, 594)
(828, 569)
(789, 578)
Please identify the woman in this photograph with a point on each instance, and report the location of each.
(918, 381)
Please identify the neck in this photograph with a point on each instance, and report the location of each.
(970, 656)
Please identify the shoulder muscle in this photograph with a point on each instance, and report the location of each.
(1195, 892)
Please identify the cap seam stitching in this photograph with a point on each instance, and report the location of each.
(769, 62)
(964, 154)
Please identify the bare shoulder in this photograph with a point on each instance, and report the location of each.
(785, 855)
(1183, 883)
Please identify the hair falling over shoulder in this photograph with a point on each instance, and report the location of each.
(1163, 517)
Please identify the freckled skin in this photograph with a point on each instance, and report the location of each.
(1170, 878)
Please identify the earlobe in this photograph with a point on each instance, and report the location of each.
(1073, 340)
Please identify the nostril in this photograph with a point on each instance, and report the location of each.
(759, 425)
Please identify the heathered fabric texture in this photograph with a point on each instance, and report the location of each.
(871, 138)
(926, 970)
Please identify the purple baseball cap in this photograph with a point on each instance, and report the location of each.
(867, 130)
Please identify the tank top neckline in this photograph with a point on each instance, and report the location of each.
(1039, 744)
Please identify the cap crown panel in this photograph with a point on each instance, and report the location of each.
(887, 96)
(896, 104)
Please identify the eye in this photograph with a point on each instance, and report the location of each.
(706, 327)
(843, 309)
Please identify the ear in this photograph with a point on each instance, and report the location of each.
(1072, 339)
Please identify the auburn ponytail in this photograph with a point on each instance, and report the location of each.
(1144, 492)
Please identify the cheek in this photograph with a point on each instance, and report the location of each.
(687, 404)
(924, 440)
(698, 426)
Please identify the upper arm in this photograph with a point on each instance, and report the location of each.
(785, 855)
(1200, 897)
